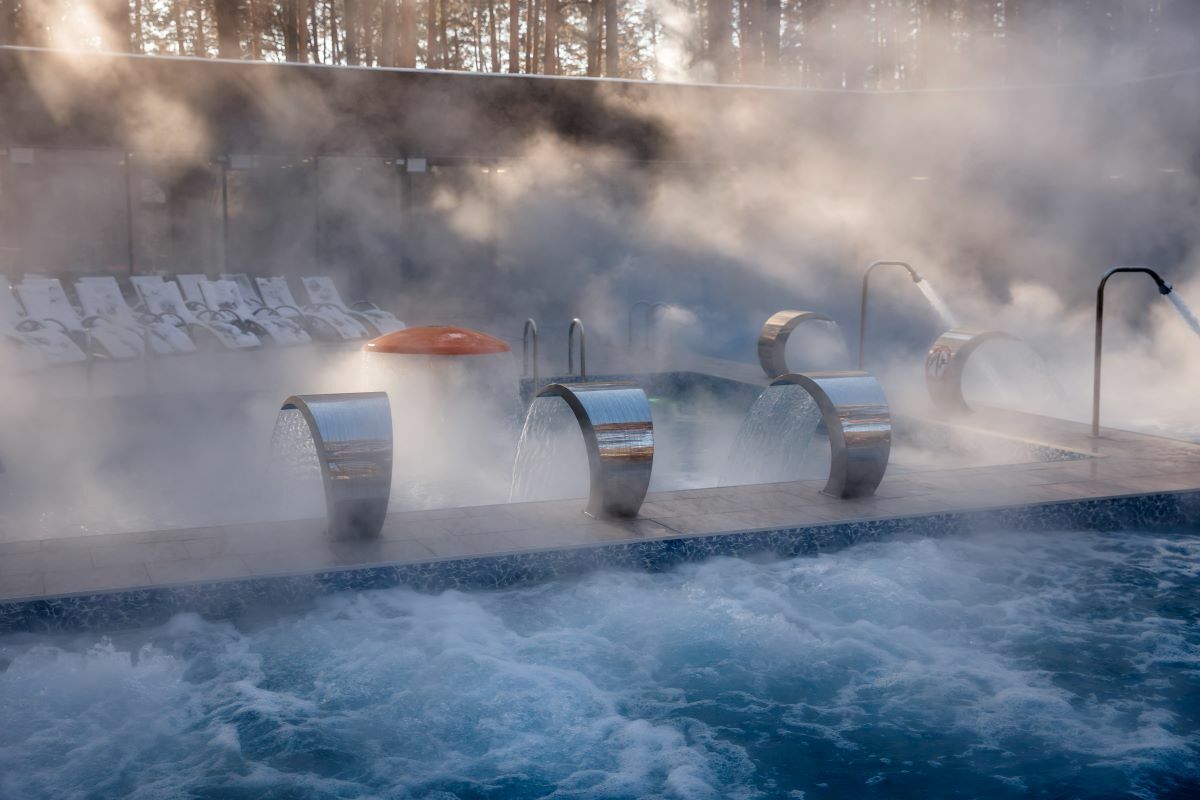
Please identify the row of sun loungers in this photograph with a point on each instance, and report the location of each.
(179, 316)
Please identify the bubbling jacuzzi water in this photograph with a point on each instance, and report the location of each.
(1006, 665)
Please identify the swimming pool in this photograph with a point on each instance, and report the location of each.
(991, 665)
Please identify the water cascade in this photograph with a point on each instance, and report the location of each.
(618, 434)
(855, 413)
(773, 443)
(350, 436)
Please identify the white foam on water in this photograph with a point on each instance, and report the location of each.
(1004, 665)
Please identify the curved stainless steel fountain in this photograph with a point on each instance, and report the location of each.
(946, 361)
(856, 415)
(618, 432)
(353, 435)
(772, 340)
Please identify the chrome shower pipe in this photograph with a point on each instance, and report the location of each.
(530, 329)
(353, 436)
(576, 323)
(947, 360)
(772, 340)
(1164, 288)
(618, 431)
(862, 318)
(856, 414)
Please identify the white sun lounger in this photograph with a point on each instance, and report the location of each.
(225, 295)
(101, 297)
(48, 344)
(323, 293)
(164, 299)
(277, 296)
(45, 299)
(246, 288)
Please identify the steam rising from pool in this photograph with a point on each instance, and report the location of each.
(1007, 665)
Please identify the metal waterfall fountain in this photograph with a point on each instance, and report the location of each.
(849, 405)
(777, 331)
(618, 436)
(347, 440)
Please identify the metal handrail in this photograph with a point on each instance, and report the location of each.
(862, 319)
(530, 327)
(1164, 288)
(576, 323)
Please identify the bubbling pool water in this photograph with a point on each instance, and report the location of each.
(1006, 665)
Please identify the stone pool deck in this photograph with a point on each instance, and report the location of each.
(1128, 480)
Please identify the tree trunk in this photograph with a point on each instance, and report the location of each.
(612, 39)
(350, 30)
(302, 33)
(408, 34)
(335, 51)
(255, 30)
(291, 33)
(443, 15)
(180, 36)
(229, 43)
(772, 19)
(200, 44)
(533, 13)
(139, 33)
(595, 23)
(514, 36)
(477, 35)
(366, 32)
(550, 56)
(314, 27)
(493, 36)
(719, 46)
(432, 57)
(387, 34)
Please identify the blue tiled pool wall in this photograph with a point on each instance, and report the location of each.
(245, 599)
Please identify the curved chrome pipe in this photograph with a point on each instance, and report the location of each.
(946, 362)
(618, 431)
(353, 435)
(862, 319)
(530, 327)
(576, 323)
(1164, 288)
(772, 340)
(856, 414)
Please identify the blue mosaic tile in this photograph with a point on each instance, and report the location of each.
(243, 599)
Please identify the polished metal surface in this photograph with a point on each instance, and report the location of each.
(862, 318)
(529, 330)
(353, 435)
(618, 432)
(576, 323)
(1164, 288)
(946, 361)
(772, 340)
(856, 414)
